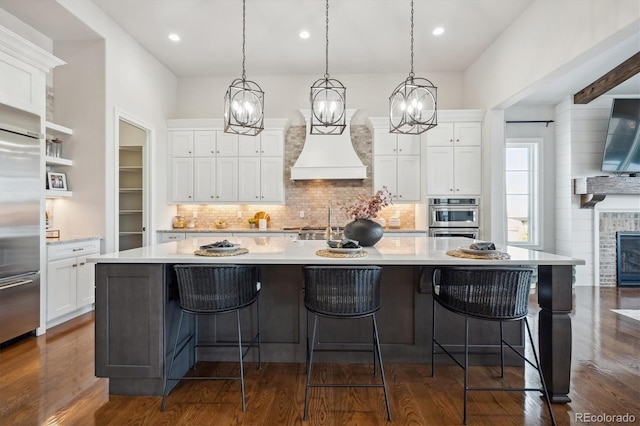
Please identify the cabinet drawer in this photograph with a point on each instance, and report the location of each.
(166, 237)
(67, 250)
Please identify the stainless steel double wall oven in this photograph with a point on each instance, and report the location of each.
(454, 217)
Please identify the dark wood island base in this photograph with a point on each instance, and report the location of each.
(137, 314)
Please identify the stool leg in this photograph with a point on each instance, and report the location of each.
(544, 385)
(173, 357)
(384, 381)
(310, 362)
(373, 338)
(466, 366)
(501, 350)
(433, 338)
(259, 335)
(244, 408)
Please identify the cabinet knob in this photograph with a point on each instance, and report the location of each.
(257, 152)
(217, 152)
(257, 196)
(262, 152)
(400, 150)
(450, 140)
(211, 196)
(75, 265)
(189, 152)
(450, 189)
(189, 196)
(457, 140)
(217, 196)
(399, 196)
(82, 263)
(457, 189)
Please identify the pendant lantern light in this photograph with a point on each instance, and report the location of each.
(328, 99)
(413, 105)
(244, 100)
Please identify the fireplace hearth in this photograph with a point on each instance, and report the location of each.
(628, 258)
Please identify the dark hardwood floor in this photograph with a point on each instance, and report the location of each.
(50, 380)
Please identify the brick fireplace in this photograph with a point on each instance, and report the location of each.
(609, 223)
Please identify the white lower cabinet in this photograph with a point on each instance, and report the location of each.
(70, 280)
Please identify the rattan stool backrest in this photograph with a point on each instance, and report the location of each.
(216, 288)
(342, 291)
(490, 293)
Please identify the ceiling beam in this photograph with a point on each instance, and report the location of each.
(622, 72)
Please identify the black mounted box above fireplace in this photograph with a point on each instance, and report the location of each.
(628, 258)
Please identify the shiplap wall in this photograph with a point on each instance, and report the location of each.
(580, 137)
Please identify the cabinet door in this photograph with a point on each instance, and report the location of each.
(441, 135)
(85, 282)
(204, 179)
(181, 143)
(409, 178)
(271, 180)
(385, 173)
(272, 143)
(408, 144)
(468, 134)
(61, 287)
(249, 179)
(227, 144)
(384, 143)
(181, 179)
(248, 146)
(22, 86)
(204, 143)
(227, 179)
(439, 170)
(468, 170)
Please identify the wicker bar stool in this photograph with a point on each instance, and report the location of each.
(207, 289)
(342, 292)
(492, 294)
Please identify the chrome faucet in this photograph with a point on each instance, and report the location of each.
(329, 231)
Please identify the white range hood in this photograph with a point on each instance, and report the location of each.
(328, 156)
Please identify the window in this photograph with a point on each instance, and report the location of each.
(522, 191)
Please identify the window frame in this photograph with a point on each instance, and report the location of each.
(535, 192)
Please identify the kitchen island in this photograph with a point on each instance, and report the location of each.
(137, 308)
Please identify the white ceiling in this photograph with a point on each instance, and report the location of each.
(365, 36)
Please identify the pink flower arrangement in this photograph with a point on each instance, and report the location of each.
(368, 207)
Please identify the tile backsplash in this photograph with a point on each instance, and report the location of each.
(311, 197)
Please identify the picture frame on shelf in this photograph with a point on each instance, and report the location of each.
(56, 181)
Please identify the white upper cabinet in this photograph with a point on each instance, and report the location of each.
(23, 70)
(455, 134)
(267, 143)
(210, 166)
(396, 162)
(454, 159)
(181, 143)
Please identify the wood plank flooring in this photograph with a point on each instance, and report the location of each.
(50, 380)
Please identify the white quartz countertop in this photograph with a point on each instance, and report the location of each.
(418, 250)
(70, 240)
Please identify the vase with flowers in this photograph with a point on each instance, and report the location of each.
(362, 210)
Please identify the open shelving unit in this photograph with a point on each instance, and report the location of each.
(130, 193)
(52, 163)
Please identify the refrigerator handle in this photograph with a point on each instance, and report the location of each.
(15, 284)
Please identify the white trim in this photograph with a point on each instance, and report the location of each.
(148, 183)
(21, 48)
(537, 227)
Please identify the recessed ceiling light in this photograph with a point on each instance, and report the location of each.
(304, 34)
(438, 31)
(174, 37)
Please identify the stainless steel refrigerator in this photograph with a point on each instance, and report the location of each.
(20, 195)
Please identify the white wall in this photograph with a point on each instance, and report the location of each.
(79, 103)
(139, 85)
(550, 37)
(203, 97)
